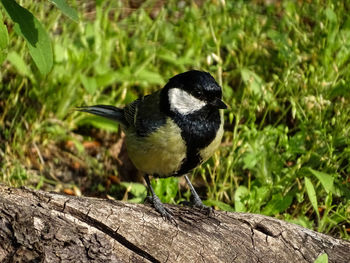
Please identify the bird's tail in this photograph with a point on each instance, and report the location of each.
(106, 111)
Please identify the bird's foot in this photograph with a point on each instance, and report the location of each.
(197, 202)
(165, 212)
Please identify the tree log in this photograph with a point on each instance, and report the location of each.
(37, 226)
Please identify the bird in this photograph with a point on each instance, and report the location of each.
(171, 131)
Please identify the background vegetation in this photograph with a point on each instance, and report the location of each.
(284, 69)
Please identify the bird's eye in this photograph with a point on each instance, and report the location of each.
(198, 93)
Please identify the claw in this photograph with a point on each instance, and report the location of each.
(197, 201)
(165, 212)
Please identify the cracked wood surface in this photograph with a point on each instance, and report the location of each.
(37, 226)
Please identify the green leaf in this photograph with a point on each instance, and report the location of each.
(107, 79)
(149, 76)
(341, 90)
(312, 194)
(139, 191)
(323, 258)
(260, 193)
(325, 179)
(2, 56)
(99, 122)
(18, 62)
(300, 220)
(241, 194)
(331, 15)
(89, 83)
(250, 160)
(38, 41)
(60, 53)
(253, 81)
(66, 9)
(136, 189)
(221, 205)
(166, 188)
(277, 204)
(4, 37)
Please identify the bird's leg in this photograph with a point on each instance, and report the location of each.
(157, 204)
(197, 201)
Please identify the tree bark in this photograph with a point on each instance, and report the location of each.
(37, 226)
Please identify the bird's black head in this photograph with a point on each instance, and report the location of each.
(190, 91)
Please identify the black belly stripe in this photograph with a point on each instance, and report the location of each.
(191, 161)
(198, 131)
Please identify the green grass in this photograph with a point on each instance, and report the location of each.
(284, 71)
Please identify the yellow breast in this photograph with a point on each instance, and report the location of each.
(161, 153)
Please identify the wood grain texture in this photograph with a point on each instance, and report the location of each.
(37, 226)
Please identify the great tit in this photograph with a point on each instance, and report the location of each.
(173, 130)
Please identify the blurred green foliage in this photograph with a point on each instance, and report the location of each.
(323, 258)
(283, 66)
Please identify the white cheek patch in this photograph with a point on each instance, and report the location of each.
(183, 102)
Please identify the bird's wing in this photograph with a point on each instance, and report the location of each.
(144, 114)
(130, 111)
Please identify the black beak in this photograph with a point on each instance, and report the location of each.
(219, 104)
